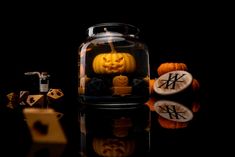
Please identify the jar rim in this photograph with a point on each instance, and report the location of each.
(112, 27)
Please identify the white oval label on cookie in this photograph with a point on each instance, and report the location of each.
(173, 111)
(172, 82)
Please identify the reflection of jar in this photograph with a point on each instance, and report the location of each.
(114, 65)
(115, 132)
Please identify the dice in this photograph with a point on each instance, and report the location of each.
(55, 94)
(35, 100)
(12, 100)
(55, 98)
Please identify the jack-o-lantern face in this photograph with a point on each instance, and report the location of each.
(112, 63)
(112, 147)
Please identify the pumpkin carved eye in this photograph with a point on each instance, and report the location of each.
(106, 60)
(119, 59)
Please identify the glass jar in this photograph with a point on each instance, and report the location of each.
(113, 66)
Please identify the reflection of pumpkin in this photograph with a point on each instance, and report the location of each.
(113, 147)
(167, 67)
(114, 62)
(150, 103)
(195, 107)
(168, 124)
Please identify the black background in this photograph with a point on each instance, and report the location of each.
(45, 37)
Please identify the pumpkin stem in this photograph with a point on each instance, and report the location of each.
(112, 47)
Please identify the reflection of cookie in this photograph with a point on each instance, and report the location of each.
(172, 115)
(173, 111)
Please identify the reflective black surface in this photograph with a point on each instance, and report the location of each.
(134, 131)
(50, 44)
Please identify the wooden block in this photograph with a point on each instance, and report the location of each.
(44, 126)
(35, 100)
(122, 91)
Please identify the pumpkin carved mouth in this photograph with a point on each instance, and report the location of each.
(113, 68)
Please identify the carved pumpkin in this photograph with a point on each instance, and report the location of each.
(113, 147)
(114, 62)
(167, 67)
(108, 63)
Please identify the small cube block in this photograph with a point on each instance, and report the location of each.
(122, 91)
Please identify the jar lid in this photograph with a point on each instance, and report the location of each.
(114, 29)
